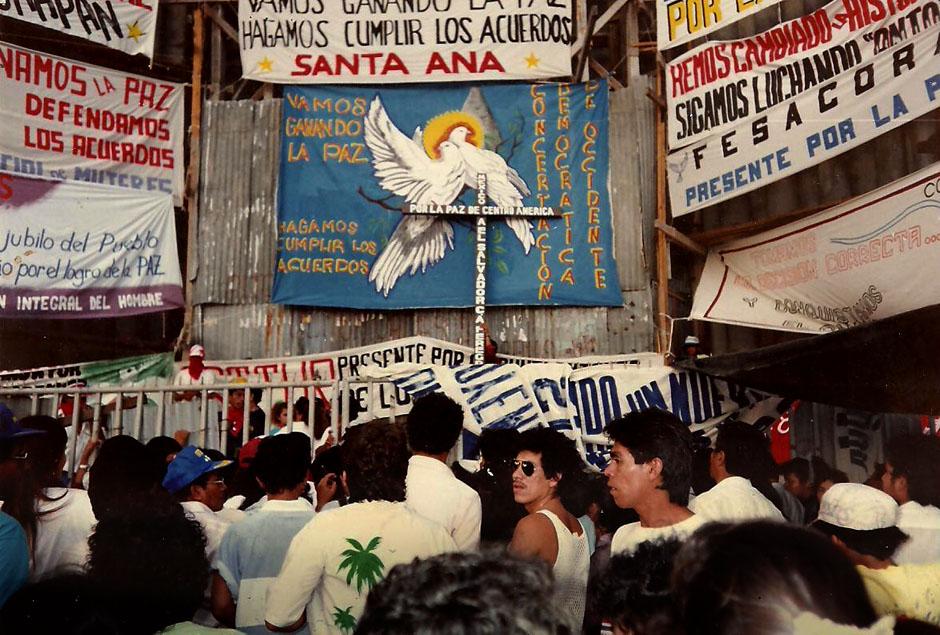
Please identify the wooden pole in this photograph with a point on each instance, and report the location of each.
(662, 254)
(192, 180)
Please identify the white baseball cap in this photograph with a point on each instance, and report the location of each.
(857, 506)
(196, 350)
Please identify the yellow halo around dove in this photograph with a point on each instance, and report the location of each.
(439, 128)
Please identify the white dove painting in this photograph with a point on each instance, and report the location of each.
(433, 167)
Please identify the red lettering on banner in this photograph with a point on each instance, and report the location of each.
(358, 64)
(32, 68)
(6, 190)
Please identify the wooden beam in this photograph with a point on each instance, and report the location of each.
(674, 235)
(662, 249)
(601, 21)
(724, 234)
(606, 74)
(656, 99)
(582, 58)
(221, 22)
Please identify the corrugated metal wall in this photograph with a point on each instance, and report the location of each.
(234, 270)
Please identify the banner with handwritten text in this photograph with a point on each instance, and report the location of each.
(408, 41)
(74, 250)
(352, 159)
(681, 21)
(125, 25)
(61, 119)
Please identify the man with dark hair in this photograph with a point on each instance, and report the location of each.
(650, 470)
(741, 466)
(910, 478)
(253, 550)
(799, 482)
(326, 471)
(335, 560)
(434, 424)
(546, 470)
(124, 472)
(463, 593)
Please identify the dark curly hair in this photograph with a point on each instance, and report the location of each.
(151, 561)
(559, 458)
(434, 423)
(282, 460)
(653, 434)
(375, 459)
(124, 470)
(463, 593)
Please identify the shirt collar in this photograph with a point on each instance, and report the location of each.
(298, 505)
(427, 463)
(197, 507)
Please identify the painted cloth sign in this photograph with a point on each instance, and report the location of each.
(75, 250)
(125, 25)
(69, 120)
(407, 41)
(681, 21)
(719, 85)
(900, 84)
(354, 158)
(122, 371)
(869, 258)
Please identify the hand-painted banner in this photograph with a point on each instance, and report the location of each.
(899, 85)
(124, 371)
(866, 259)
(352, 158)
(125, 25)
(75, 250)
(681, 21)
(378, 42)
(719, 85)
(69, 120)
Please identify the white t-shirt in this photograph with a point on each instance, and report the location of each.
(337, 557)
(630, 536)
(734, 499)
(187, 415)
(213, 526)
(922, 524)
(62, 535)
(434, 492)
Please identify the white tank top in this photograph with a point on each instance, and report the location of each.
(571, 571)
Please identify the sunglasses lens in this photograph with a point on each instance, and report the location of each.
(528, 467)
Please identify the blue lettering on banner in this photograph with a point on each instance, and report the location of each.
(596, 403)
(742, 175)
(932, 84)
(695, 397)
(596, 455)
(494, 408)
(422, 383)
(546, 389)
(649, 396)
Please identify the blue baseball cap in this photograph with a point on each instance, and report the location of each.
(10, 429)
(189, 464)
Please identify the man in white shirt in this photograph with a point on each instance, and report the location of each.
(741, 457)
(335, 560)
(434, 424)
(650, 471)
(910, 478)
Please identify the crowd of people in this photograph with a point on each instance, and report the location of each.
(378, 534)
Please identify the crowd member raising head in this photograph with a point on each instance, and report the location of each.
(253, 550)
(742, 467)
(335, 560)
(434, 425)
(649, 471)
(124, 472)
(911, 479)
(546, 468)
(767, 578)
(464, 593)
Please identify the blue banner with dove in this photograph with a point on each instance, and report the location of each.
(355, 160)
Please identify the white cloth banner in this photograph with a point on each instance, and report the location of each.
(719, 85)
(74, 250)
(125, 25)
(404, 41)
(681, 21)
(901, 84)
(69, 120)
(869, 258)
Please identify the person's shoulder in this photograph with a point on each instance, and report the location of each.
(624, 538)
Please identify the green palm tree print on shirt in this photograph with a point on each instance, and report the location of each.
(363, 564)
(343, 619)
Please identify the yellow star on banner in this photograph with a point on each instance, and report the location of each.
(265, 65)
(134, 31)
(532, 61)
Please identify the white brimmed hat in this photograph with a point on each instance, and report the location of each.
(857, 506)
(196, 350)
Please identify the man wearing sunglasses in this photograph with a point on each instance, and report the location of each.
(546, 468)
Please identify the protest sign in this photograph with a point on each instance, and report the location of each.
(353, 158)
(74, 250)
(866, 259)
(122, 371)
(681, 21)
(61, 119)
(376, 42)
(718, 85)
(900, 84)
(125, 25)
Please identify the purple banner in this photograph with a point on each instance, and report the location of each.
(88, 303)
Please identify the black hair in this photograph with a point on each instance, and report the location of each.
(702, 480)
(301, 407)
(559, 458)
(799, 467)
(434, 424)
(880, 543)
(916, 457)
(47, 450)
(747, 454)
(67, 603)
(655, 433)
(123, 471)
(375, 459)
(256, 395)
(498, 444)
(282, 460)
(162, 447)
(633, 592)
(463, 593)
(277, 409)
(150, 561)
(756, 577)
(329, 461)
